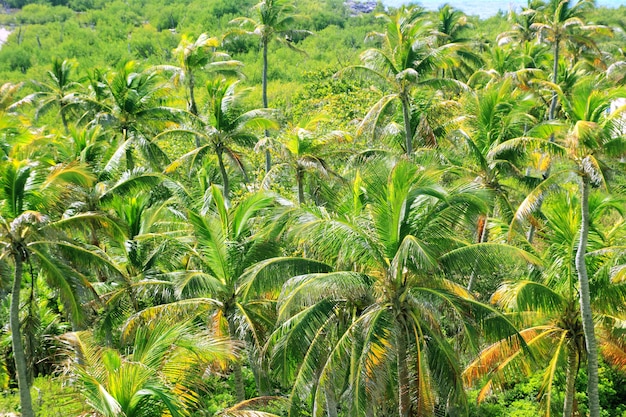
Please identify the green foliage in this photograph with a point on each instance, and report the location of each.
(52, 399)
(119, 154)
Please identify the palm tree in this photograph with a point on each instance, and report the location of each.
(129, 103)
(11, 128)
(275, 21)
(161, 373)
(142, 255)
(197, 55)
(303, 150)
(224, 127)
(450, 25)
(226, 242)
(376, 322)
(591, 131)
(26, 236)
(546, 303)
(523, 30)
(491, 116)
(60, 91)
(562, 20)
(409, 58)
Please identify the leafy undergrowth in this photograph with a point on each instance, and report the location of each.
(50, 399)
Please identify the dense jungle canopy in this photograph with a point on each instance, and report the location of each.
(312, 208)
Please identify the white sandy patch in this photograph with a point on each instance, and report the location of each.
(4, 35)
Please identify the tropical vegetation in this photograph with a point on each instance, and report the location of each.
(392, 212)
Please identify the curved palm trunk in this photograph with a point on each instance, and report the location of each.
(570, 379)
(404, 397)
(406, 116)
(585, 303)
(268, 156)
(19, 356)
(224, 174)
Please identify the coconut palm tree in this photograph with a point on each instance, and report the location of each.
(491, 116)
(450, 25)
(59, 91)
(303, 151)
(160, 372)
(372, 328)
(590, 132)
(130, 104)
(27, 237)
(226, 242)
(409, 58)
(224, 126)
(563, 21)
(275, 21)
(522, 30)
(545, 304)
(11, 129)
(199, 55)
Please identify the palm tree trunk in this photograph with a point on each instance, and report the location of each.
(130, 162)
(19, 356)
(240, 391)
(299, 179)
(570, 379)
(585, 303)
(555, 70)
(404, 397)
(64, 120)
(225, 183)
(406, 116)
(264, 79)
(191, 104)
(268, 156)
(551, 114)
(192, 107)
(482, 237)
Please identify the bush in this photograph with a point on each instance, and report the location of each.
(16, 59)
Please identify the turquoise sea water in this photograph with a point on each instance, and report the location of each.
(486, 8)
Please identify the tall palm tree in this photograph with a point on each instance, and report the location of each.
(198, 55)
(224, 126)
(522, 30)
(375, 323)
(591, 131)
(491, 116)
(59, 91)
(27, 237)
(275, 20)
(409, 58)
(450, 25)
(545, 304)
(563, 21)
